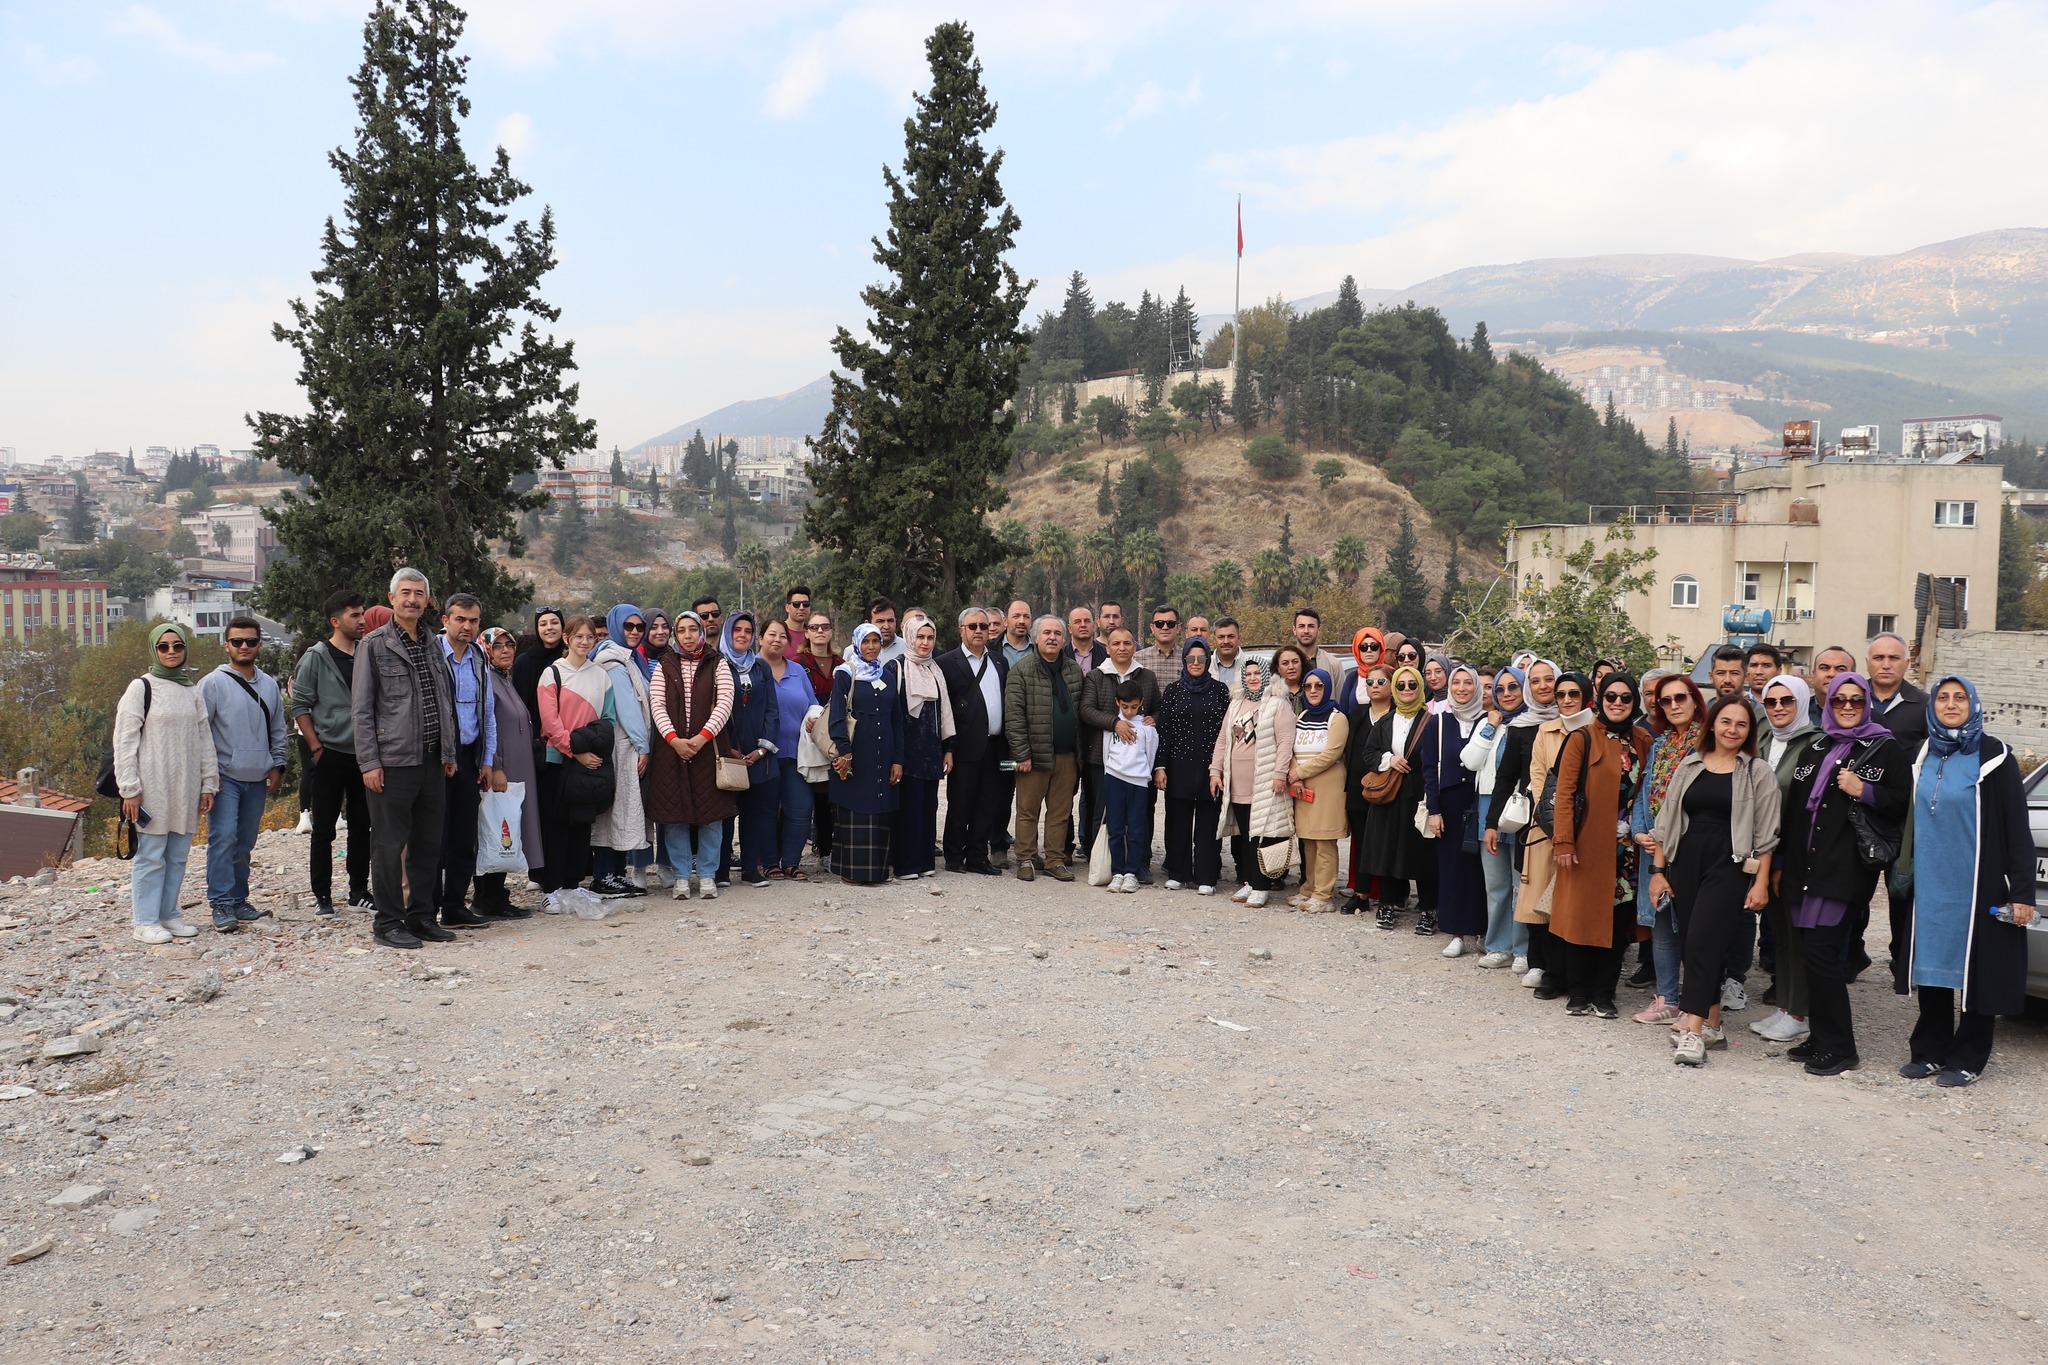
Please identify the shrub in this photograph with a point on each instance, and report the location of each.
(1074, 471)
(1327, 472)
(1272, 457)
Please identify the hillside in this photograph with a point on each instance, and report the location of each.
(800, 412)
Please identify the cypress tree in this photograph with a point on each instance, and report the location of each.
(1408, 611)
(1184, 332)
(1454, 583)
(907, 464)
(429, 385)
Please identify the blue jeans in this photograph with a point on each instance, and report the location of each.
(1503, 933)
(795, 812)
(701, 861)
(1124, 809)
(155, 877)
(231, 835)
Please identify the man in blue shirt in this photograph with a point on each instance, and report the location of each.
(475, 752)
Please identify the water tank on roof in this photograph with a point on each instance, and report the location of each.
(1805, 512)
(1745, 621)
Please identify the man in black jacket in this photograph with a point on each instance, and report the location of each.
(977, 794)
(1901, 708)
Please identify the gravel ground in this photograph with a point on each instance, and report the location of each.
(968, 1119)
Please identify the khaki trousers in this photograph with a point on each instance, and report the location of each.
(1319, 868)
(1053, 790)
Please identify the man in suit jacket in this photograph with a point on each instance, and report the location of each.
(977, 790)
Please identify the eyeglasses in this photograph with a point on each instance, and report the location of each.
(170, 646)
(1509, 686)
(243, 642)
(1375, 682)
(975, 625)
(1618, 696)
(1853, 702)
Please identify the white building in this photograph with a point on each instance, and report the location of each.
(235, 531)
(1947, 438)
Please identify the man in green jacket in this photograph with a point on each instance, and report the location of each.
(320, 710)
(1042, 725)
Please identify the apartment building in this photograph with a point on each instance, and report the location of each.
(36, 596)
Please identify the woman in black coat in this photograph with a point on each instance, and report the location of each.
(1854, 762)
(867, 699)
(1973, 854)
(1191, 714)
(1395, 851)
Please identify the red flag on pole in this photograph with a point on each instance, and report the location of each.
(1240, 227)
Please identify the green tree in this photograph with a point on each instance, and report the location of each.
(1311, 572)
(1272, 577)
(22, 531)
(1104, 505)
(223, 537)
(755, 563)
(1144, 559)
(1094, 559)
(1226, 583)
(1054, 551)
(625, 534)
(181, 543)
(572, 533)
(1244, 396)
(1328, 472)
(918, 434)
(1583, 614)
(618, 469)
(1407, 607)
(81, 527)
(1272, 457)
(429, 385)
(698, 466)
(2015, 569)
(1287, 535)
(1447, 600)
(1111, 417)
(1348, 558)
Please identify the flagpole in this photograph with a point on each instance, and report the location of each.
(1237, 292)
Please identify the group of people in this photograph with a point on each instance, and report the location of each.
(1543, 818)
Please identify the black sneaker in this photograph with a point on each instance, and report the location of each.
(1834, 1064)
(755, 880)
(610, 888)
(1580, 1007)
(1605, 1009)
(323, 907)
(1547, 991)
(1800, 1052)
(1645, 975)
(1384, 917)
(1955, 1078)
(631, 890)
(1426, 926)
(398, 938)
(1920, 1071)
(363, 901)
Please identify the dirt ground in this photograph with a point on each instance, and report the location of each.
(962, 1120)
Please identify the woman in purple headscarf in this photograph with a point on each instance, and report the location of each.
(1853, 765)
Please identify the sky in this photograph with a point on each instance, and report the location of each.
(714, 169)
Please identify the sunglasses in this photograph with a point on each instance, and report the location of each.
(634, 625)
(1408, 656)
(243, 642)
(711, 615)
(170, 647)
(1617, 696)
(1368, 648)
(975, 625)
(1781, 701)
(1508, 686)
(1406, 687)
(798, 603)
(1164, 625)
(1376, 682)
(827, 625)
(1673, 698)
(1570, 694)
(1850, 703)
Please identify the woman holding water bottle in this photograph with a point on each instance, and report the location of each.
(1973, 890)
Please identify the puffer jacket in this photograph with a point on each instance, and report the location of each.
(1027, 709)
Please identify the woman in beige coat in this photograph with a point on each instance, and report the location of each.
(1532, 903)
(1248, 770)
(1316, 779)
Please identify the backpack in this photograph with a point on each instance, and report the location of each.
(105, 784)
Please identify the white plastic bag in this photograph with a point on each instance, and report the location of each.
(582, 904)
(498, 846)
(1099, 862)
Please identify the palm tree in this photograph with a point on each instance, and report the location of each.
(1054, 552)
(1272, 577)
(1095, 556)
(1349, 558)
(1144, 559)
(1226, 583)
(1310, 573)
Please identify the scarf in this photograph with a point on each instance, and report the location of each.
(921, 682)
(646, 660)
(1671, 748)
(1472, 712)
(1246, 687)
(380, 615)
(675, 638)
(1514, 717)
(1056, 670)
(1534, 712)
(860, 669)
(1945, 843)
(1802, 705)
(1413, 705)
(1584, 716)
(1202, 684)
(1358, 656)
(1843, 738)
(489, 640)
(1622, 730)
(1317, 713)
(1436, 694)
(180, 675)
(743, 661)
(615, 625)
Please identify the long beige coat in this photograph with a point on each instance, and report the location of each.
(1322, 771)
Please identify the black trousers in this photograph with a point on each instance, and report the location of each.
(1244, 852)
(999, 839)
(821, 821)
(1939, 1039)
(974, 807)
(337, 785)
(1394, 890)
(1194, 856)
(565, 848)
(1546, 953)
(1828, 957)
(1900, 903)
(1593, 973)
(458, 830)
(406, 819)
(305, 773)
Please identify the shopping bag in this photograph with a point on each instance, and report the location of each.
(498, 846)
(1098, 857)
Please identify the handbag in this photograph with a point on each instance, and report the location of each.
(1381, 787)
(1274, 857)
(1514, 816)
(1874, 847)
(733, 775)
(1100, 864)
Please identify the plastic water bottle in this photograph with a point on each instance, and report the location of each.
(2001, 913)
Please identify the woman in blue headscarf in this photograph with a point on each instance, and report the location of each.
(1973, 890)
(756, 731)
(620, 837)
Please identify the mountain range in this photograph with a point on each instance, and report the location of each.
(800, 412)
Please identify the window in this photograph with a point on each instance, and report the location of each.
(1752, 587)
(1955, 514)
(1875, 625)
(1685, 591)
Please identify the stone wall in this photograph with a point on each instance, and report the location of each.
(2010, 669)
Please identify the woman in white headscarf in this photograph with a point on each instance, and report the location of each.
(1452, 799)
(1788, 707)
(866, 719)
(927, 749)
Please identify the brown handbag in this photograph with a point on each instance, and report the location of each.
(1382, 786)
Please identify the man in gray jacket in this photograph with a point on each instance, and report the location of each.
(322, 710)
(402, 707)
(246, 710)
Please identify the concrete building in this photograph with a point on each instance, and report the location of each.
(1970, 435)
(773, 478)
(203, 605)
(590, 489)
(1832, 548)
(235, 531)
(36, 596)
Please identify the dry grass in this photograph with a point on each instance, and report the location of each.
(112, 1078)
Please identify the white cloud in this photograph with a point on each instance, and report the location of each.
(140, 21)
(1914, 126)
(1151, 98)
(515, 134)
(36, 60)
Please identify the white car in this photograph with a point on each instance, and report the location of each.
(2036, 786)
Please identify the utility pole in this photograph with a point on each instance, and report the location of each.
(1237, 292)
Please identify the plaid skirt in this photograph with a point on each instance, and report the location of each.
(860, 845)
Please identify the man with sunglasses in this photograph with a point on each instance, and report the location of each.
(1162, 656)
(246, 710)
(977, 789)
(796, 612)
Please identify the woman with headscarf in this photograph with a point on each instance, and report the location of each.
(818, 659)
(795, 699)
(755, 735)
(1403, 652)
(1856, 762)
(1710, 857)
(526, 670)
(691, 699)
(1452, 803)
(1788, 706)
(1248, 772)
(1506, 939)
(1556, 706)
(1316, 778)
(575, 692)
(1368, 651)
(1678, 720)
(515, 764)
(1377, 687)
(867, 719)
(167, 773)
(619, 839)
(927, 749)
(653, 640)
(1973, 890)
(1395, 851)
(1593, 906)
(1191, 714)
(1436, 679)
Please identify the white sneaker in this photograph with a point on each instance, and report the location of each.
(1733, 996)
(1761, 1028)
(1243, 894)
(1456, 947)
(1520, 964)
(177, 928)
(1711, 1036)
(1205, 891)
(1172, 885)
(679, 891)
(552, 903)
(1116, 883)
(1131, 883)
(150, 933)
(305, 825)
(1495, 960)
(1297, 900)
(1784, 1029)
(1690, 1049)
(709, 893)
(1256, 899)
(1533, 978)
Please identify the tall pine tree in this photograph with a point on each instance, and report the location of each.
(907, 463)
(1407, 604)
(429, 385)
(1447, 601)
(1184, 332)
